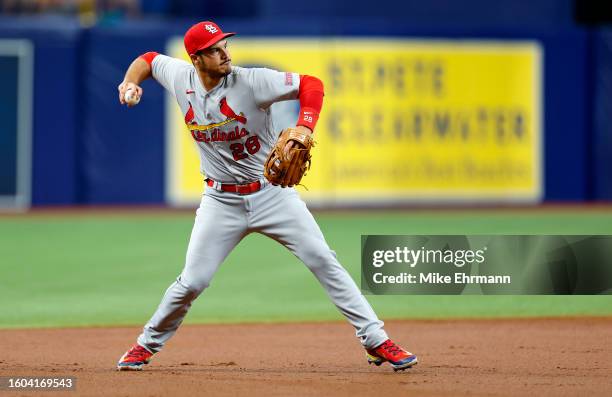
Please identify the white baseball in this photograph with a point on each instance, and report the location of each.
(131, 97)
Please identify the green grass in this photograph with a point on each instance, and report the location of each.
(58, 270)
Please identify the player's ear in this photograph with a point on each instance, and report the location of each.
(195, 59)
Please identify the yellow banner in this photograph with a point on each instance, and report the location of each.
(402, 120)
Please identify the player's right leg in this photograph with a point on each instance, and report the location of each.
(219, 226)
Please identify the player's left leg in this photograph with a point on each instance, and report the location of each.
(283, 216)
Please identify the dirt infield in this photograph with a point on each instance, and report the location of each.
(543, 357)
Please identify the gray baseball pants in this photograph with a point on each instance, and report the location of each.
(222, 220)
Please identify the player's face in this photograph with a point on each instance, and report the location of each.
(215, 60)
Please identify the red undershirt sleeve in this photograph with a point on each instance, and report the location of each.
(311, 101)
(149, 56)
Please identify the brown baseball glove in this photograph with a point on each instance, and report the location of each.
(287, 168)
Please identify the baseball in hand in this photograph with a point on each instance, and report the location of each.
(131, 97)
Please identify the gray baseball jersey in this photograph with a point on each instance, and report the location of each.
(232, 123)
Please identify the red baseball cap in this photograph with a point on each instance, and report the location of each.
(203, 35)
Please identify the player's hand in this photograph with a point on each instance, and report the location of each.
(290, 144)
(123, 87)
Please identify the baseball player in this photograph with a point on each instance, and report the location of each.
(227, 110)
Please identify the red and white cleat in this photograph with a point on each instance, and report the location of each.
(134, 359)
(399, 358)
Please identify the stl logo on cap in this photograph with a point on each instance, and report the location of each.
(203, 35)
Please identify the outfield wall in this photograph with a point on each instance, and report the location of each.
(89, 150)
